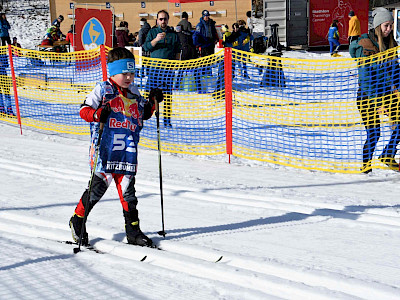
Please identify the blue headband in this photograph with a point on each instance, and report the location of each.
(126, 65)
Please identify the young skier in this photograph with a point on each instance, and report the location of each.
(117, 105)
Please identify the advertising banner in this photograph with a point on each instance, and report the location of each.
(323, 12)
(93, 27)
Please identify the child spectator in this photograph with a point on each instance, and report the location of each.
(118, 105)
(333, 38)
(15, 43)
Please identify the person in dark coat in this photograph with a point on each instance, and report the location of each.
(188, 51)
(121, 33)
(4, 27)
(186, 26)
(206, 29)
(144, 30)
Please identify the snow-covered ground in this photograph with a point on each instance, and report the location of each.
(282, 233)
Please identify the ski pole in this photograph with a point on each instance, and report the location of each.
(161, 232)
(76, 250)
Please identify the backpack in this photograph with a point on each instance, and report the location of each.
(259, 45)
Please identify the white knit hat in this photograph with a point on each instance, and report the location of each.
(381, 15)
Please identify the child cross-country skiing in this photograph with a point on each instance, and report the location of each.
(117, 105)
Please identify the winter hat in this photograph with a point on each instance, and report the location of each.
(381, 15)
(351, 13)
(185, 15)
(224, 28)
(205, 13)
(61, 17)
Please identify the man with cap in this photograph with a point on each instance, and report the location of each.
(57, 23)
(207, 34)
(354, 27)
(378, 81)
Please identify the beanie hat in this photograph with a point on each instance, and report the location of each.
(205, 13)
(381, 15)
(351, 13)
(185, 15)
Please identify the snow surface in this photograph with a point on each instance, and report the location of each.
(283, 233)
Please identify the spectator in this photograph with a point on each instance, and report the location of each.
(378, 82)
(333, 39)
(186, 26)
(144, 30)
(354, 27)
(250, 22)
(4, 27)
(104, 104)
(162, 42)
(51, 36)
(209, 37)
(5, 98)
(57, 23)
(121, 33)
(244, 41)
(70, 36)
(188, 51)
(15, 43)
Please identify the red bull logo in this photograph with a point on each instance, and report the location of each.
(128, 107)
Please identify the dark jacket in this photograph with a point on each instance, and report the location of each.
(122, 36)
(143, 33)
(375, 78)
(187, 47)
(4, 27)
(207, 32)
(167, 48)
(185, 25)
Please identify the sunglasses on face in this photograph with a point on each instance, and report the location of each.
(163, 19)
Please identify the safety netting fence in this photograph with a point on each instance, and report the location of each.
(302, 113)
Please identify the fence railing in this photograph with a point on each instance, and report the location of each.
(295, 112)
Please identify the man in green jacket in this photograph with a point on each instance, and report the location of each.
(162, 42)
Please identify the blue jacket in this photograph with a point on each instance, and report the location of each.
(244, 40)
(333, 33)
(375, 79)
(206, 32)
(4, 27)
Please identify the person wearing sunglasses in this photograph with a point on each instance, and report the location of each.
(162, 42)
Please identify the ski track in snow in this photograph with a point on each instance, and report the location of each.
(266, 277)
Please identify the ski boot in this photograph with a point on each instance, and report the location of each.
(133, 233)
(75, 223)
(366, 167)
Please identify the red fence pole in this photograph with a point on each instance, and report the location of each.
(103, 60)
(14, 82)
(228, 99)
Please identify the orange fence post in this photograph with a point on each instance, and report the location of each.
(228, 99)
(14, 82)
(103, 60)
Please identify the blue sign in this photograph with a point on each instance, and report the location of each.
(108, 5)
(211, 3)
(93, 34)
(143, 4)
(177, 4)
(71, 5)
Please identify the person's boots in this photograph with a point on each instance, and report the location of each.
(75, 223)
(133, 233)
